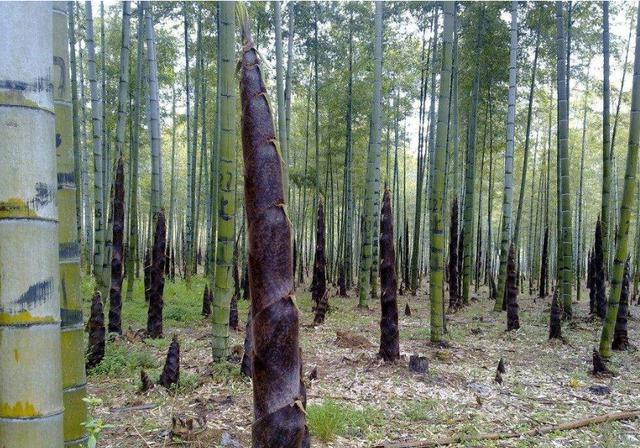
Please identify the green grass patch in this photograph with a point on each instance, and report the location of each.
(226, 372)
(421, 410)
(121, 359)
(419, 334)
(187, 384)
(331, 419)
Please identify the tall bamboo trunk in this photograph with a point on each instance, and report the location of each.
(565, 246)
(154, 114)
(579, 239)
(606, 136)
(188, 245)
(282, 120)
(77, 158)
(98, 183)
(73, 378)
(348, 187)
(507, 203)
(415, 248)
(470, 175)
(373, 166)
(523, 178)
(172, 194)
(489, 253)
(226, 219)
(115, 294)
(200, 100)
(132, 241)
(436, 254)
(626, 206)
(29, 263)
(86, 203)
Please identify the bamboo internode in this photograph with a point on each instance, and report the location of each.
(30, 398)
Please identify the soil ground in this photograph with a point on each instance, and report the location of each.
(359, 401)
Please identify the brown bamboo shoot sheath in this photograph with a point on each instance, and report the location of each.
(279, 419)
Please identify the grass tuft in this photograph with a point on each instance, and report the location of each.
(330, 419)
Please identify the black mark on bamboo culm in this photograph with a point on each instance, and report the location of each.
(68, 250)
(63, 285)
(66, 180)
(45, 194)
(70, 317)
(39, 85)
(57, 60)
(37, 293)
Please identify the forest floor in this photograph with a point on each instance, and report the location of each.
(359, 401)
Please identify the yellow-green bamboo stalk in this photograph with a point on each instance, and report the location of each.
(372, 189)
(223, 281)
(154, 114)
(73, 373)
(622, 237)
(30, 372)
(98, 181)
(436, 254)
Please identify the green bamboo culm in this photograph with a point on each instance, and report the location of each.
(565, 245)
(470, 173)
(373, 165)
(436, 253)
(74, 380)
(133, 245)
(606, 137)
(507, 204)
(154, 113)
(31, 403)
(75, 107)
(625, 208)
(282, 121)
(223, 281)
(98, 180)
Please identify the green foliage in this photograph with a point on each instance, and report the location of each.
(94, 426)
(331, 419)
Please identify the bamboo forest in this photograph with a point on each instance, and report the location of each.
(285, 224)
